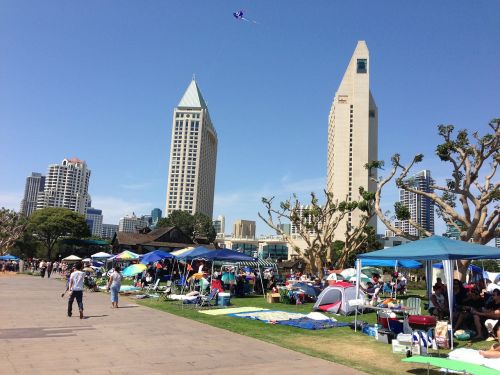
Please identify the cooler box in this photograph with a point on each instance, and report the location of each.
(224, 299)
(385, 336)
(383, 319)
(422, 322)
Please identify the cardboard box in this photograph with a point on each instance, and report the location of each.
(401, 348)
(273, 297)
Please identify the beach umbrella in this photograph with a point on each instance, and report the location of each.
(363, 278)
(88, 260)
(369, 271)
(126, 255)
(101, 255)
(134, 269)
(348, 272)
(71, 258)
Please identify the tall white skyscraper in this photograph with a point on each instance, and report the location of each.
(34, 185)
(421, 208)
(66, 185)
(193, 156)
(352, 134)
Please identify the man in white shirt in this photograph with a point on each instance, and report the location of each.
(75, 287)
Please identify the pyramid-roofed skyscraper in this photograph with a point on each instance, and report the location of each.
(193, 156)
(352, 134)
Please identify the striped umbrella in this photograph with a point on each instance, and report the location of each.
(134, 269)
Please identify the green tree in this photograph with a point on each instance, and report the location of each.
(194, 226)
(48, 225)
(12, 227)
(468, 200)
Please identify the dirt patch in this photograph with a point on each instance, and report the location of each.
(357, 352)
(8, 274)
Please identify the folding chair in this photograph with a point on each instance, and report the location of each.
(414, 306)
(152, 287)
(208, 300)
(168, 290)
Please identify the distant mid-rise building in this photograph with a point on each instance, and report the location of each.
(148, 219)
(219, 224)
(352, 136)
(66, 185)
(244, 229)
(421, 208)
(155, 215)
(193, 156)
(286, 228)
(131, 224)
(109, 230)
(94, 221)
(34, 186)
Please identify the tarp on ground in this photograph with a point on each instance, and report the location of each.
(435, 248)
(155, 256)
(403, 263)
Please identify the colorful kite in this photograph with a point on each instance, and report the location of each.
(239, 15)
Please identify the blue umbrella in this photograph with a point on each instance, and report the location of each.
(155, 256)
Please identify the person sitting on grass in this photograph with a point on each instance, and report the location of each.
(438, 305)
(494, 351)
(491, 311)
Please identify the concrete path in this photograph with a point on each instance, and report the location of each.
(36, 337)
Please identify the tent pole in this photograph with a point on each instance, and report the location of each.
(261, 282)
(358, 279)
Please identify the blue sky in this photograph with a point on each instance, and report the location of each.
(99, 80)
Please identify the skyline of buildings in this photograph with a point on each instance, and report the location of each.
(66, 185)
(34, 185)
(193, 156)
(131, 224)
(421, 208)
(244, 229)
(219, 224)
(352, 135)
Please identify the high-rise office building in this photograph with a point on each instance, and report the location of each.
(352, 134)
(219, 224)
(66, 185)
(421, 208)
(193, 155)
(34, 185)
(244, 229)
(94, 221)
(109, 230)
(155, 215)
(131, 224)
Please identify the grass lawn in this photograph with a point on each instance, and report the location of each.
(341, 345)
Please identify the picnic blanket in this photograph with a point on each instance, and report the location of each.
(308, 323)
(232, 310)
(270, 315)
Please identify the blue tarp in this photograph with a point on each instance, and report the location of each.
(435, 248)
(155, 256)
(403, 263)
(472, 267)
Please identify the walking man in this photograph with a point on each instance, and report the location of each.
(49, 269)
(75, 287)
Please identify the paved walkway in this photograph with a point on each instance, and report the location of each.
(36, 337)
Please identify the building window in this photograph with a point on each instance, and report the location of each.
(361, 66)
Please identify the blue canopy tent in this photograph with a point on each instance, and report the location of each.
(195, 253)
(434, 248)
(155, 256)
(224, 255)
(403, 263)
(9, 257)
